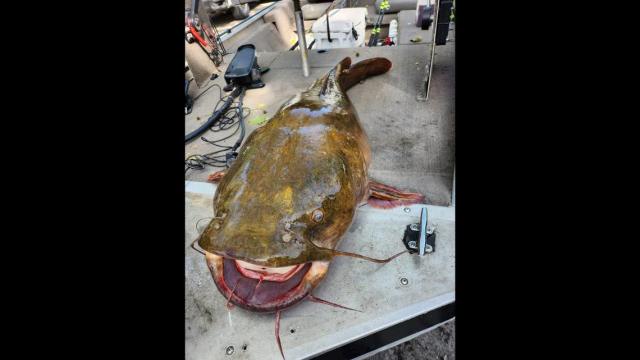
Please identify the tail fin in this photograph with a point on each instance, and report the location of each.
(351, 75)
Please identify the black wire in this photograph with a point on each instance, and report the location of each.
(186, 87)
(328, 30)
(232, 119)
(205, 90)
(215, 116)
(188, 101)
(241, 122)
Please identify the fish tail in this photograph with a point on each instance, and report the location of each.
(349, 75)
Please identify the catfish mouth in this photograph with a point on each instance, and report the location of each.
(264, 289)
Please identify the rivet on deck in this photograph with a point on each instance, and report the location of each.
(229, 350)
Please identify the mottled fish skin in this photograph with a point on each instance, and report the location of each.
(298, 179)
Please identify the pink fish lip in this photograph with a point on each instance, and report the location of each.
(263, 275)
(259, 291)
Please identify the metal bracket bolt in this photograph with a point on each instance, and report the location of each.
(420, 237)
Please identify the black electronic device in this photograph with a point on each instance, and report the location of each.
(244, 71)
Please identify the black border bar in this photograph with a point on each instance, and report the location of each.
(391, 334)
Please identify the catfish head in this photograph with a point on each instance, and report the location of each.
(273, 236)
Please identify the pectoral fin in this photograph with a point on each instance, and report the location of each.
(385, 197)
(216, 176)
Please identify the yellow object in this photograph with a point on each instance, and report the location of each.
(258, 120)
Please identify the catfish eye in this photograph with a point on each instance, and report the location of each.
(317, 215)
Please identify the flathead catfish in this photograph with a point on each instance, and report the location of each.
(285, 203)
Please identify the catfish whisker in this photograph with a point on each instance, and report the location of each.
(321, 301)
(229, 305)
(194, 248)
(379, 261)
(198, 223)
(278, 333)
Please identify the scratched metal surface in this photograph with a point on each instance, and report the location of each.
(373, 288)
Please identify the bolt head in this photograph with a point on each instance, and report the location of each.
(428, 248)
(412, 244)
(404, 281)
(414, 227)
(407, 209)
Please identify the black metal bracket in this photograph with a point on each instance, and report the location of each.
(413, 235)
